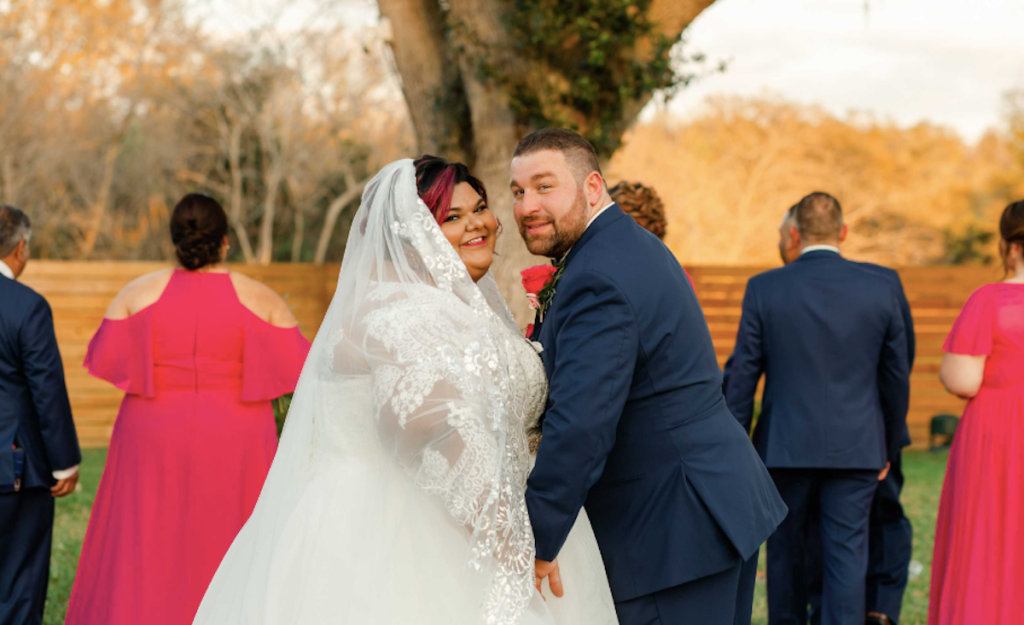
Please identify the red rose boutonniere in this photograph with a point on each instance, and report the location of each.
(539, 283)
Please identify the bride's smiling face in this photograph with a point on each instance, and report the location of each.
(472, 229)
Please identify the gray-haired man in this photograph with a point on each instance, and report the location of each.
(39, 453)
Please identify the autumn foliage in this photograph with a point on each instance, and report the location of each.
(113, 110)
(917, 195)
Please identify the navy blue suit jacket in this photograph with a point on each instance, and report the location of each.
(908, 321)
(636, 427)
(830, 338)
(34, 410)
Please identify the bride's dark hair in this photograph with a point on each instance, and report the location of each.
(436, 179)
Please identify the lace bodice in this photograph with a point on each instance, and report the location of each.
(534, 387)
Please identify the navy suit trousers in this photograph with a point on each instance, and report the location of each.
(725, 598)
(890, 548)
(840, 500)
(26, 534)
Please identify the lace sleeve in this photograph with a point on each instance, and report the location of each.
(431, 403)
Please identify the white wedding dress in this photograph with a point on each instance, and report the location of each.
(397, 494)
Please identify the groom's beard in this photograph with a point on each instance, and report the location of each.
(567, 230)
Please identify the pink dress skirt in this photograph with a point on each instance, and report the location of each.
(978, 564)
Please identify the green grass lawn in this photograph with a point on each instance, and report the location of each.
(68, 533)
(924, 473)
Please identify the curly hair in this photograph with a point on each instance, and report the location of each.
(642, 204)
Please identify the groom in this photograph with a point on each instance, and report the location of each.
(636, 428)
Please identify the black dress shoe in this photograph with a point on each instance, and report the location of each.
(877, 619)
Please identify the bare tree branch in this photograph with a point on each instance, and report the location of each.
(99, 207)
(352, 191)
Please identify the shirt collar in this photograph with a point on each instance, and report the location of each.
(598, 213)
(820, 248)
(5, 270)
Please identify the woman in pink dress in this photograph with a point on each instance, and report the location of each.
(200, 353)
(978, 566)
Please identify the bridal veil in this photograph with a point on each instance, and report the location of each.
(410, 364)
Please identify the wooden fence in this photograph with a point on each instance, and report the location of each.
(79, 293)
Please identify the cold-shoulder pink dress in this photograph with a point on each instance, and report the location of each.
(191, 447)
(978, 563)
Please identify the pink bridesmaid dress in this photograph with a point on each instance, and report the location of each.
(978, 564)
(191, 447)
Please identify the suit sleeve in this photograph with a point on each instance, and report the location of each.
(894, 380)
(44, 371)
(747, 361)
(908, 324)
(596, 352)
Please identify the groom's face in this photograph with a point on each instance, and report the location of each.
(549, 204)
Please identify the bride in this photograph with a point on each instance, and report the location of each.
(397, 494)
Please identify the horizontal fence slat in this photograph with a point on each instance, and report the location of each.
(79, 293)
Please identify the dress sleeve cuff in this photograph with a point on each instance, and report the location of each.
(65, 474)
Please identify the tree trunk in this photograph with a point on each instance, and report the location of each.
(299, 234)
(273, 176)
(437, 102)
(420, 50)
(99, 208)
(9, 182)
(333, 212)
(495, 136)
(266, 243)
(236, 211)
(493, 157)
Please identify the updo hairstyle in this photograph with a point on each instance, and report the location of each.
(1011, 229)
(198, 227)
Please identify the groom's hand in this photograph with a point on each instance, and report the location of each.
(549, 570)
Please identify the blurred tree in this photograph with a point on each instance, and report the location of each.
(729, 173)
(480, 74)
(968, 248)
(112, 110)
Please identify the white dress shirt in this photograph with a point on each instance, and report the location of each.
(57, 475)
(598, 214)
(819, 248)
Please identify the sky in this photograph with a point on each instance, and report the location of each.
(943, 61)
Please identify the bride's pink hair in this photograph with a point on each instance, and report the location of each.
(436, 180)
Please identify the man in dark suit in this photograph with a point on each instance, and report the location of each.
(890, 534)
(636, 427)
(39, 453)
(829, 336)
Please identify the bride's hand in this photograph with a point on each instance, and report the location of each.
(550, 570)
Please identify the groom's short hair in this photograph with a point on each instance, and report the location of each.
(578, 152)
(819, 217)
(15, 227)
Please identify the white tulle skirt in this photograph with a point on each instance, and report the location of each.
(365, 546)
